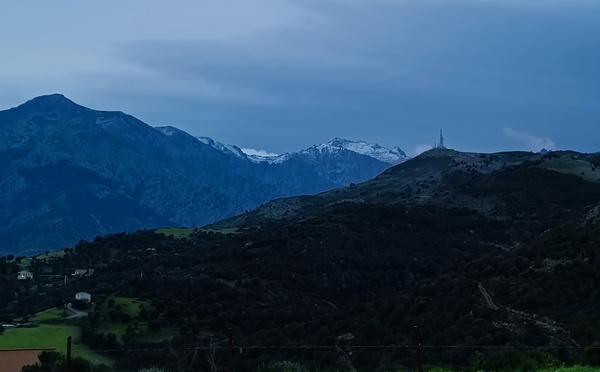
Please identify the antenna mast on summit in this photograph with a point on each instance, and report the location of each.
(441, 145)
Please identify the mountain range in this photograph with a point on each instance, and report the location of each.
(71, 173)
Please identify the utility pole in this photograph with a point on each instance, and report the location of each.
(419, 343)
(68, 362)
(231, 353)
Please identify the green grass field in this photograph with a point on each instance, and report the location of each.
(129, 305)
(177, 233)
(132, 307)
(185, 233)
(552, 369)
(578, 167)
(25, 263)
(50, 254)
(53, 314)
(50, 336)
(227, 230)
(571, 369)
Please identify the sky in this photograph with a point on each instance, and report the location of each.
(280, 75)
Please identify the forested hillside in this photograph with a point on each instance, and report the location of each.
(497, 265)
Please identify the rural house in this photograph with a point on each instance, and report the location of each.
(24, 275)
(83, 296)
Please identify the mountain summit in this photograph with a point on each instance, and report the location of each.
(71, 173)
(50, 103)
(391, 156)
(50, 100)
(335, 146)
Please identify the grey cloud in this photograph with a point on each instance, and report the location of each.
(530, 141)
(283, 74)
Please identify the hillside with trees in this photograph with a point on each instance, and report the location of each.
(492, 257)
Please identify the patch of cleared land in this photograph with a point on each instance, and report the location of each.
(50, 254)
(25, 262)
(225, 230)
(53, 314)
(132, 307)
(177, 233)
(14, 361)
(186, 233)
(568, 164)
(48, 336)
(128, 305)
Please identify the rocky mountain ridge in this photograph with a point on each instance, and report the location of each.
(72, 173)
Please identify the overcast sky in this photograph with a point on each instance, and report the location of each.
(279, 75)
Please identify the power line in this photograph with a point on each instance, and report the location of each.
(325, 347)
(335, 347)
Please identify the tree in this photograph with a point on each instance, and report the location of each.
(592, 355)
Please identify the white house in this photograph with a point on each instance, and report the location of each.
(24, 275)
(83, 296)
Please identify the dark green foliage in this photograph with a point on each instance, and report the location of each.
(50, 361)
(348, 274)
(592, 355)
(98, 340)
(515, 361)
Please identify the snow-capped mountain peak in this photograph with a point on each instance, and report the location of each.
(385, 155)
(390, 156)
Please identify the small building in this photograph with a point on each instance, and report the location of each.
(83, 272)
(24, 275)
(84, 297)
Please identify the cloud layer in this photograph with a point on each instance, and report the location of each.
(284, 74)
(530, 141)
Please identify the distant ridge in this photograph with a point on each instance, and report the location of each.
(437, 177)
(72, 173)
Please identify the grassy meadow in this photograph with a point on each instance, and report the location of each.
(49, 336)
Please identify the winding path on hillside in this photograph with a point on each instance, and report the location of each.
(75, 314)
(487, 297)
(546, 324)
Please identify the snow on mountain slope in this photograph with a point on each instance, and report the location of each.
(389, 156)
(262, 156)
(222, 146)
(385, 155)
